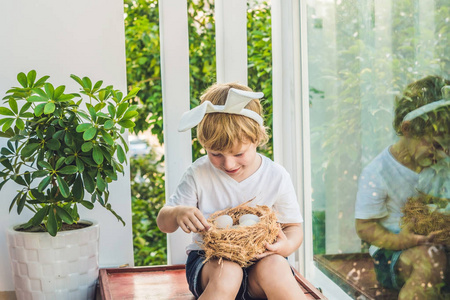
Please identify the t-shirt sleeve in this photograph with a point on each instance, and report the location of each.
(286, 206)
(371, 196)
(186, 192)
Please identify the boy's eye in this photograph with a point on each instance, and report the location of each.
(240, 154)
(215, 154)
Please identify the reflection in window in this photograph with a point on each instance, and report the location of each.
(362, 54)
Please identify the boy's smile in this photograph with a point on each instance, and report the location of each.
(239, 163)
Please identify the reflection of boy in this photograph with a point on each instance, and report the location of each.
(231, 173)
(404, 260)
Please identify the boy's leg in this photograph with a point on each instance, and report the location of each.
(422, 269)
(272, 278)
(220, 281)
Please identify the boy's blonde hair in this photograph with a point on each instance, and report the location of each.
(223, 131)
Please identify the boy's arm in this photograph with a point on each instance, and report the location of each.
(189, 218)
(289, 239)
(376, 234)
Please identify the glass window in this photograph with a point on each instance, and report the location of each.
(362, 54)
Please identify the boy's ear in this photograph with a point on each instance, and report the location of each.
(406, 127)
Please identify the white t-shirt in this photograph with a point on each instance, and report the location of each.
(211, 190)
(383, 189)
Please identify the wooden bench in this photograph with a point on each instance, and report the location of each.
(162, 283)
(354, 273)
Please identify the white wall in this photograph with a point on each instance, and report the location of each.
(59, 38)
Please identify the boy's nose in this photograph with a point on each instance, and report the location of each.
(228, 163)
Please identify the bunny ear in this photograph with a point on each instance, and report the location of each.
(235, 103)
(192, 117)
(238, 99)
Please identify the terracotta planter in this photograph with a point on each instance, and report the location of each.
(60, 267)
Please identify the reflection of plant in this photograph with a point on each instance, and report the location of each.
(148, 197)
(62, 148)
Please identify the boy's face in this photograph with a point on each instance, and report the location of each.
(238, 163)
(428, 149)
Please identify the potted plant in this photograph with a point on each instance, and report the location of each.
(59, 146)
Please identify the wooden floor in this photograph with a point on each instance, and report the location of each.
(161, 283)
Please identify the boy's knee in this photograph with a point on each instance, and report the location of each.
(272, 267)
(429, 262)
(224, 276)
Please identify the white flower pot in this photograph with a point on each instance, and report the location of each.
(64, 267)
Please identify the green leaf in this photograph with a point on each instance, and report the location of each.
(129, 114)
(120, 154)
(58, 91)
(49, 90)
(97, 155)
(97, 85)
(22, 78)
(78, 189)
(80, 165)
(88, 182)
(49, 108)
(121, 109)
(89, 134)
(68, 170)
(52, 226)
(127, 123)
(74, 213)
(39, 173)
(13, 104)
(20, 124)
(83, 127)
(77, 79)
(19, 180)
(41, 81)
(7, 124)
(109, 124)
(29, 149)
(87, 204)
(53, 144)
(93, 113)
(87, 83)
(63, 187)
(37, 99)
(40, 92)
(44, 183)
(101, 184)
(107, 137)
(64, 215)
(6, 111)
(39, 109)
(40, 215)
(31, 77)
(59, 163)
(111, 110)
(24, 108)
(45, 165)
(21, 203)
(86, 147)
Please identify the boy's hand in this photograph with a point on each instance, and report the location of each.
(288, 240)
(191, 219)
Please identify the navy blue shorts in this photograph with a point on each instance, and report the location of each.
(194, 265)
(384, 262)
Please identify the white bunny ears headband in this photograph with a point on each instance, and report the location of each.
(430, 106)
(235, 103)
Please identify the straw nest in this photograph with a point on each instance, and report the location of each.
(424, 220)
(241, 244)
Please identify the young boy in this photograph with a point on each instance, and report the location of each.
(403, 260)
(230, 128)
